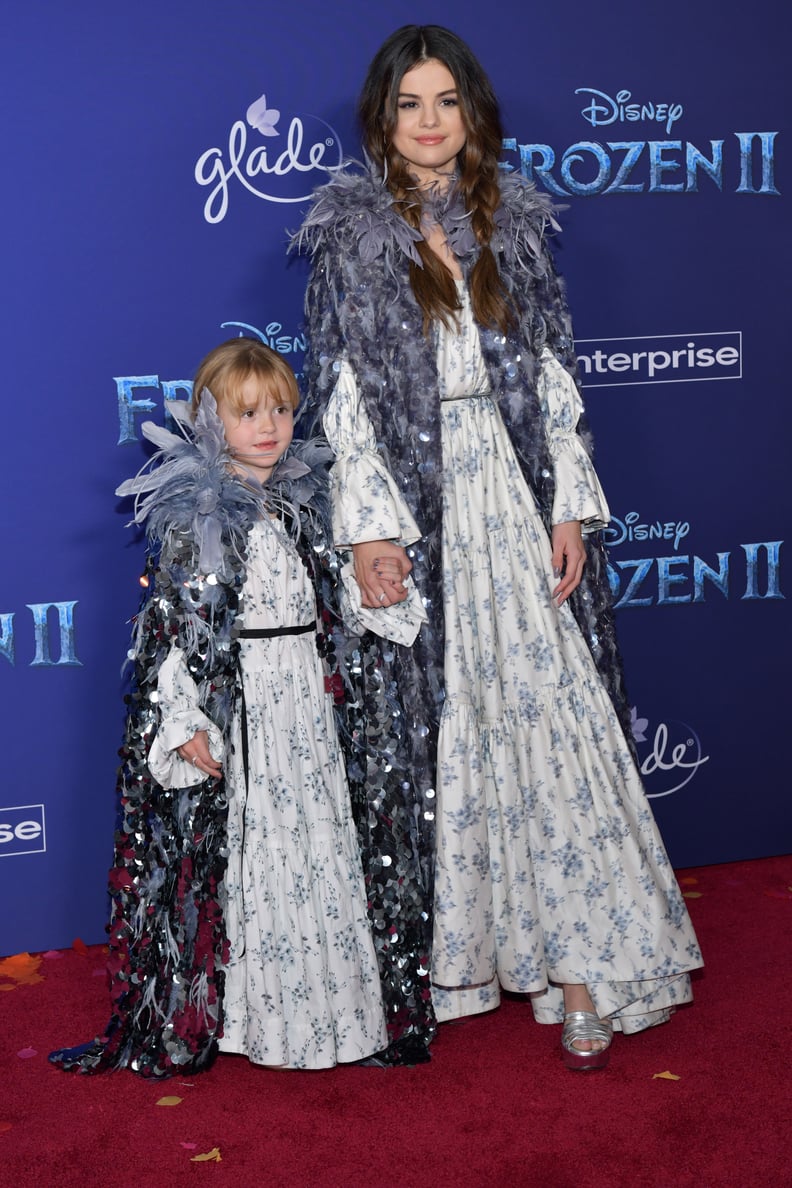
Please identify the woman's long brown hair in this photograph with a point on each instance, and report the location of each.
(432, 283)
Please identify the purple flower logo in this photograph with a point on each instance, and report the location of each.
(262, 118)
(638, 725)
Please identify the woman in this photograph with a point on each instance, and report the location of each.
(441, 363)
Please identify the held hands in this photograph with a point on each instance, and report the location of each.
(197, 752)
(380, 569)
(569, 557)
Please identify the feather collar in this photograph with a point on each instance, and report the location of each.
(357, 207)
(190, 485)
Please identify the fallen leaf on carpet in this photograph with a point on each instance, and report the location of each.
(691, 895)
(188, 1146)
(53, 954)
(687, 880)
(169, 1101)
(212, 1156)
(20, 970)
(80, 947)
(26, 1053)
(666, 1076)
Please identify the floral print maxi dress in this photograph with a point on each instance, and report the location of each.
(302, 987)
(550, 867)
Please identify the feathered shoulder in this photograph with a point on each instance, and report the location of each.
(356, 210)
(523, 219)
(190, 488)
(355, 213)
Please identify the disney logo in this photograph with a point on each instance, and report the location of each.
(630, 529)
(301, 154)
(602, 109)
(669, 766)
(271, 336)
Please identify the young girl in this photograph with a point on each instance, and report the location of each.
(239, 910)
(442, 370)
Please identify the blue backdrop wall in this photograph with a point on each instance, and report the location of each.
(154, 158)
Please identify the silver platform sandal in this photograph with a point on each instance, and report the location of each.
(584, 1025)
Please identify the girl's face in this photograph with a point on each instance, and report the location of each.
(260, 434)
(429, 131)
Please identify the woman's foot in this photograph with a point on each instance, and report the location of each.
(585, 1039)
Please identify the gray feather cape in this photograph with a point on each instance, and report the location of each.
(360, 305)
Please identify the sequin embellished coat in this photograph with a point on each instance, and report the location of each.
(167, 940)
(360, 308)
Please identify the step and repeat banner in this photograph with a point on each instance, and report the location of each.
(155, 159)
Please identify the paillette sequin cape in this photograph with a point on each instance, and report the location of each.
(360, 305)
(167, 941)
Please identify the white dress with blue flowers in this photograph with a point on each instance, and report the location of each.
(550, 868)
(302, 988)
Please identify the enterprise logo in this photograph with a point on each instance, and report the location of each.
(663, 358)
(22, 830)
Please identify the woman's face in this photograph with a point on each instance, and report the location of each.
(429, 129)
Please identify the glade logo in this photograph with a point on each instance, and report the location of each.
(285, 172)
(604, 110)
(669, 758)
(589, 167)
(752, 573)
(663, 358)
(22, 830)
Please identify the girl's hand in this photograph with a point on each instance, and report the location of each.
(197, 752)
(569, 557)
(380, 569)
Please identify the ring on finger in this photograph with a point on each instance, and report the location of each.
(195, 760)
(382, 597)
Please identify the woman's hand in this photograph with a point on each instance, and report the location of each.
(380, 569)
(569, 557)
(197, 752)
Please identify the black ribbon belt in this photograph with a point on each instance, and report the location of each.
(273, 632)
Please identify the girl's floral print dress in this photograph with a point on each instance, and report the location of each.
(550, 868)
(302, 988)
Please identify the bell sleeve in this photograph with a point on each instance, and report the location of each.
(578, 494)
(366, 505)
(179, 719)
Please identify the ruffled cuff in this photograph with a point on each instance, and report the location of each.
(578, 494)
(180, 719)
(166, 764)
(400, 622)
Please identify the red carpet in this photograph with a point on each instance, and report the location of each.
(495, 1106)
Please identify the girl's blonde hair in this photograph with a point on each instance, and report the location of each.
(225, 370)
